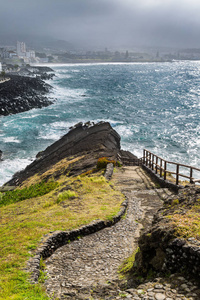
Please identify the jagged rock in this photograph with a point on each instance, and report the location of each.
(161, 248)
(1, 153)
(22, 93)
(92, 142)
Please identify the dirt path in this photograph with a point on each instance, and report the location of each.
(74, 270)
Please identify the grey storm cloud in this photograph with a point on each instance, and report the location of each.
(106, 22)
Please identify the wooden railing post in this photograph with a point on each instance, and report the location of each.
(160, 167)
(177, 173)
(156, 164)
(191, 175)
(165, 168)
(149, 160)
(144, 156)
(152, 166)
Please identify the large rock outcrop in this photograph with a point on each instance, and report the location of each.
(22, 93)
(88, 141)
(173, 242)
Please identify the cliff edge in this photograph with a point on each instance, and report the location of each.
(86, 141)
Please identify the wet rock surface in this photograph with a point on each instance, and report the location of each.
(22, 93)
(88, 267)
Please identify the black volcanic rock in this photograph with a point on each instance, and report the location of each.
(91, 141)
(22, 93)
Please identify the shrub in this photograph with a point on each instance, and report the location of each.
(66, 195)
(103, 161)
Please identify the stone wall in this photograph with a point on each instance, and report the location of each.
(59, 238)
(161, 248)
(182, 255)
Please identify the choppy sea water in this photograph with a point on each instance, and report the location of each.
(151, 105)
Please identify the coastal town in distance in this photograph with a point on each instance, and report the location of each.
(20, 54)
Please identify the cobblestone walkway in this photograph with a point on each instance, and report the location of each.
(88, 268)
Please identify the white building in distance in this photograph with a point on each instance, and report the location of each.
(27, 56)
(21, 49)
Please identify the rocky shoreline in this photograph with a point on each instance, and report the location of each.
(22, 93)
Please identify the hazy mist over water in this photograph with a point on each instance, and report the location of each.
(151, 105)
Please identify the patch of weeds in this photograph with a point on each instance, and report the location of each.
(110, 218)
(98, 179)
(47, 204)
(118, 164)
(127, 265)
(33, 191)
(124, 216)
(31, 247)
(103, 161)
(175, 202)
(123, 295)
(65, 195)
(103, 208)
(42, 275)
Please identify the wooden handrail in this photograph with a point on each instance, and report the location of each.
(162, 164)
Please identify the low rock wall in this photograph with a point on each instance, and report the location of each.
(109, 171)
(183, 256)
(57, 239)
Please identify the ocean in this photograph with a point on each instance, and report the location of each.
(151, 105)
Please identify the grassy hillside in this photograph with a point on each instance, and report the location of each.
(41, 205)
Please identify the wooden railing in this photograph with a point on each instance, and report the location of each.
(160, 166)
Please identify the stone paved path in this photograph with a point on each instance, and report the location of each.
(88, 268)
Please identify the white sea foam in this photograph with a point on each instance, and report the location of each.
(9, 167)
(67, 94)
(11, 139)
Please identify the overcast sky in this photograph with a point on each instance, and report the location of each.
(111, 23)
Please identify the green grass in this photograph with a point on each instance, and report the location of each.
(185, 224)
(32, 191)
(66, 195)
(127, 265)
(24, 223)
